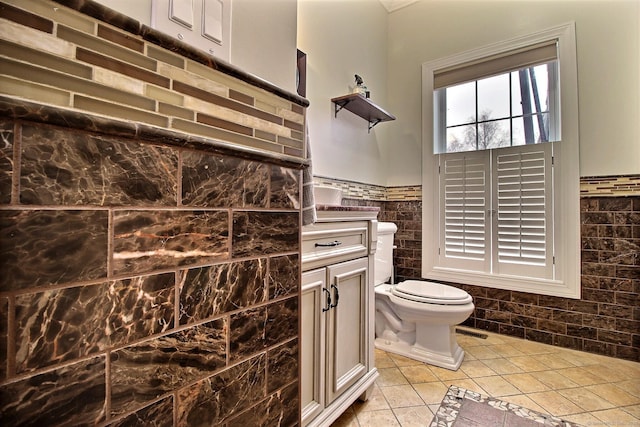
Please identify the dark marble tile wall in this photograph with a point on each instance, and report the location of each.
(144, 284)
(407, 215)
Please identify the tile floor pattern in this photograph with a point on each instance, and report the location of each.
(588, 389)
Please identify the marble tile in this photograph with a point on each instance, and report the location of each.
(151, 240)
(158, 414)
(616, 417)
(4, 331)
(506, 350)
(447, 374)
(554, 403)
(584, 419)
(496, 386)
(347, 419)
(586, 399)
(415, 416)
(64, 324)
(44, 247)
(285, 188)
(476, 368)
(247, 333)
(264, 233)
(74, 393)
(404, 361)
(468, 384)
(382, 418)
(391, 376)
(282, 321)
(554, 380)
(523, 401)
(383, 360)
(282, 365)
(431, 393)
(213, 181)
(418, 374)
(526, 383)
(6, 161)
(505, 366)
(582, 376)
(209, 291)
(525, 363)
(283, 275)
(614, 394)
(280, 408)
(63, 168)
(223, 395)
(144, 371)
(375, 402)
(401, 395)
(482, 353)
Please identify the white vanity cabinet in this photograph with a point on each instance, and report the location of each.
(337, 314)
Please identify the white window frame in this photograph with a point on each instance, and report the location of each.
(566, 216)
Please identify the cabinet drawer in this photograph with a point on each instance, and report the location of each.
(328, 243)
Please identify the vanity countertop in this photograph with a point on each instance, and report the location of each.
(327, 213)
(347, 208)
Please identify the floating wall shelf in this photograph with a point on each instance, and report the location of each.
(363, 107)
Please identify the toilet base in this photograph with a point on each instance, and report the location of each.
(417, 352)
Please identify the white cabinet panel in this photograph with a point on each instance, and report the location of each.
(314, 284)
(346, 326)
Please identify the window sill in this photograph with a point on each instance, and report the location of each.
(513, 283)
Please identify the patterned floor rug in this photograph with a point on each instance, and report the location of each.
(464, 408)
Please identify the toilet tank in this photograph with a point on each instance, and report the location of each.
(384, 252)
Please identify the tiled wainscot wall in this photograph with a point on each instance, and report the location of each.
(606, 320)
(150, 268)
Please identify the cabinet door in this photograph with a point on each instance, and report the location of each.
(312, 339)
(346, 326)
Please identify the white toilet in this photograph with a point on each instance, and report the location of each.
(416, 318)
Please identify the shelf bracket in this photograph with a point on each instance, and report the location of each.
(372, 124)
(337, 107)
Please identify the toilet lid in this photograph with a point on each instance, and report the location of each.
(431, 292)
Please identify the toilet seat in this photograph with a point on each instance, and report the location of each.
(431, 293)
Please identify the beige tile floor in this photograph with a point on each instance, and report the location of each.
(588, 389)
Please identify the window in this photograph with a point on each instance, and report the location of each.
(509, 109)
(501, 142)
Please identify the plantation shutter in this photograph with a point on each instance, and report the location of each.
(522, 210)
(464, 193)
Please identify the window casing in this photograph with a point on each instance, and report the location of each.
(504, 217)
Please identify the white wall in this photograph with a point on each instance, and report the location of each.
(263, 39)
(263, 35)
(608, 51)
(140, 10)
(342, 38)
